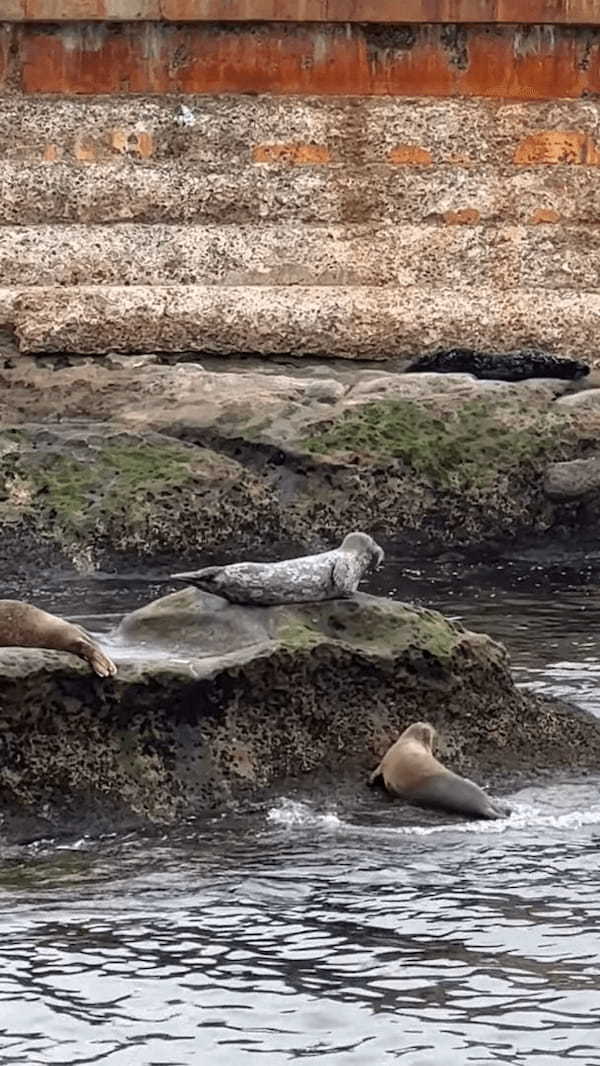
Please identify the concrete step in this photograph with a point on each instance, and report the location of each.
(503, 257)
(347, 322)
(237, 130)
(183, 191)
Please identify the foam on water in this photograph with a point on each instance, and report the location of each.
(293, 814)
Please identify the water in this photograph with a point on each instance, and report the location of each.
(301, 932)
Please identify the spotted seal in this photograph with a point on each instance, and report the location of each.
(24, 626)
(410, 770)
(327, 576)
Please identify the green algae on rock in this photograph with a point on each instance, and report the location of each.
(90, 488)
(468, 447)
(214, 702)
(192, 460)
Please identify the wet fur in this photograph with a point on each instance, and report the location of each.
(410, 770)
(24, 626)
(449, 792)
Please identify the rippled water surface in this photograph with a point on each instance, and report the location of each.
(305, 933)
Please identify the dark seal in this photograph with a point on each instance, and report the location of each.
(512, 366)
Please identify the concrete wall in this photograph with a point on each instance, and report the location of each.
(359, 189)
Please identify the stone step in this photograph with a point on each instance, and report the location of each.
(347, 322)
(186, 191)
(503, 257)
(238, 130)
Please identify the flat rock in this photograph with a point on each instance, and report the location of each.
(572, 480)
(80, 491)
(584, 398)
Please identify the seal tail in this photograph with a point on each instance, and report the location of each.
(202, 579)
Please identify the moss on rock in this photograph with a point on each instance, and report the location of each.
(468, 447)
(91, 489)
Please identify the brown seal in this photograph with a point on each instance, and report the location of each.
(24, 626)
(409, 769)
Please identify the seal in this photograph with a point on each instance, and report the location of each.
(409, 769)
(511, 366)
(329, 575)
(24, 626)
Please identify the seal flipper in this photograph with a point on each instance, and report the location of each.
(375, 778)
(202, 579)
(92, 654)
(344, 577)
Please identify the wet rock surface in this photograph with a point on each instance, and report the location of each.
(214, 703)
(135, 456)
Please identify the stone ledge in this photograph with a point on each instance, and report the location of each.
(346, 322)
(502, 257)
(243, 129)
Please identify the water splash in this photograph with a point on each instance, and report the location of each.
(292, 814)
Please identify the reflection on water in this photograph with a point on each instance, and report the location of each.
(298, 933)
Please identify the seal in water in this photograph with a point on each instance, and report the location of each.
(24, 626)
(409, 769)
(512, 366)
(328, 576)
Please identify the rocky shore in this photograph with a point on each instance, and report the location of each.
(213, 703)
(105, 462)
(135, 457)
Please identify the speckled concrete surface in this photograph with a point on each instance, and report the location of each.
(228, 129)
(428, 255)
(475, 213)
(344, 321)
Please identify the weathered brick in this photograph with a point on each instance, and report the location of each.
(71, 10)
(558, 146)
(410, 155)
(6, 38)
(295, 154)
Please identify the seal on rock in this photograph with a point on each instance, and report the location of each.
(410, 770)
(329, 575)
(511, 366)
(24, 626)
